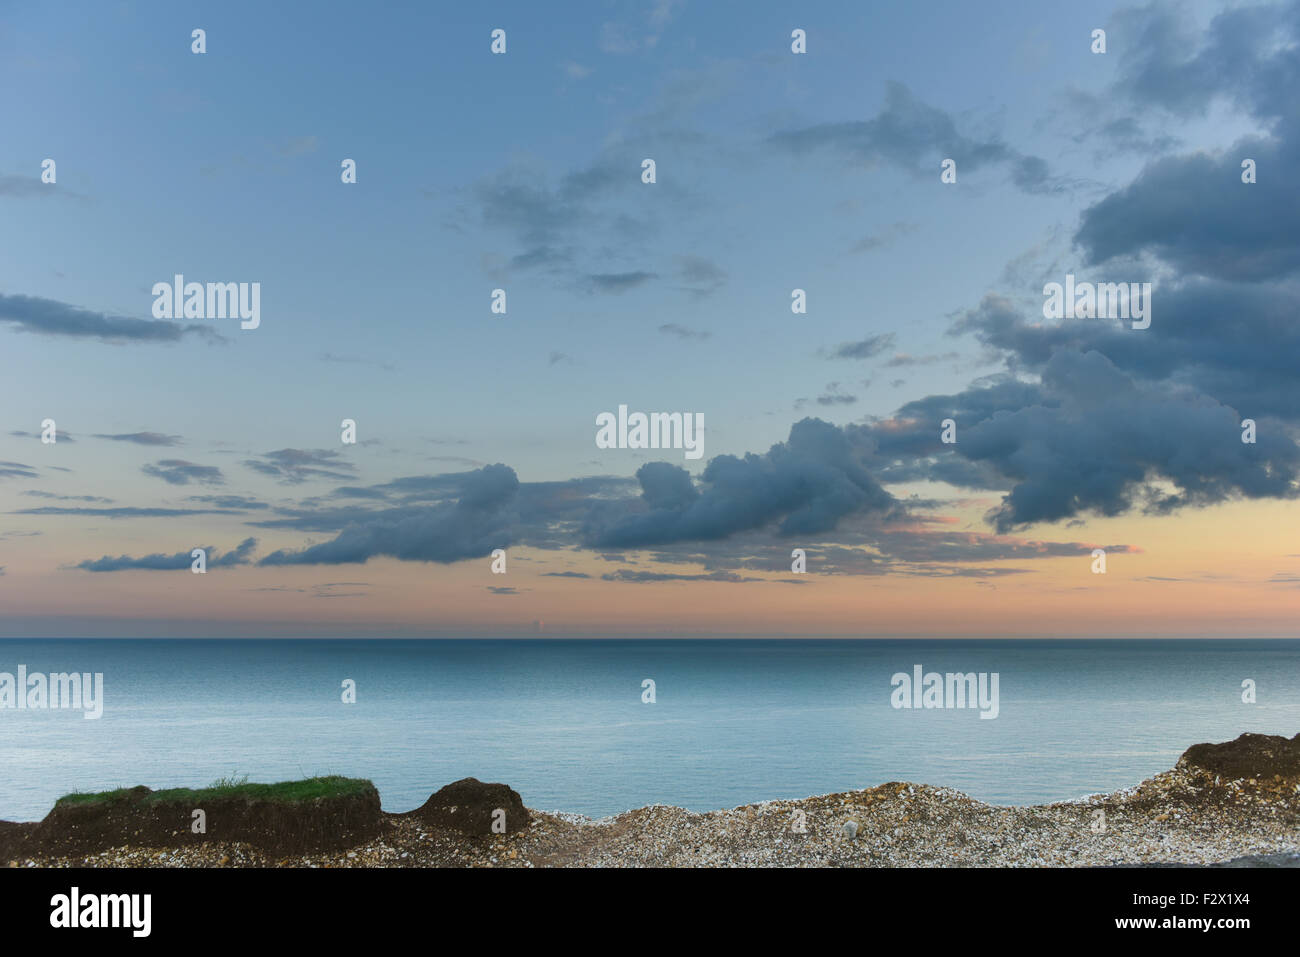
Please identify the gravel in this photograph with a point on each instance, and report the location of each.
(1184, 816)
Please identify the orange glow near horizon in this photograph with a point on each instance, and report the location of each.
(1230, 571)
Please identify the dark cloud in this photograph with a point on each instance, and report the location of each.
(241, 555)
(59, 434)
(540, 216)
(540, 256)
(836, 398)
(1193, 211)
(1089, 439)
(803, 486)
(352, 491)
(919, 547)
(666, 486)
(547, 513)
(641, 578)
(17, 470)
(1093, 417)
(873, 544)
(618, 282)
(240, 502)
(915, 136)
(1235, 341)
(52, 318)
(143, 438)
(477, 521)
(1123, 134)
(903, 359)
(1245, 56)
(181, 472)
(834, 395)
(295, 466)
(34, 493)
(864, 348)
(123, 512)
(738, 517)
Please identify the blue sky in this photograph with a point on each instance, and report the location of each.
(521, 171)
(226, 165)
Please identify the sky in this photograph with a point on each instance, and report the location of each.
(774, 171)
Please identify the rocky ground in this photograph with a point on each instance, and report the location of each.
(1201, 812)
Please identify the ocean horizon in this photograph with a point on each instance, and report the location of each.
(568, 722)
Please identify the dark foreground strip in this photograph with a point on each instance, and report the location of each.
(659, 908)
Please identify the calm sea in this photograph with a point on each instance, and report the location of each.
(563, 722)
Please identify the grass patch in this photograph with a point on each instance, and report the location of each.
(287, 792)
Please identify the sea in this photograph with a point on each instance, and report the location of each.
(599, 726)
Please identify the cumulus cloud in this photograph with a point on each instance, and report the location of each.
(1094, 417)
(1088, 417)
(477, 521)
(1192, 210)
(738, 516)
(1088, 439)
(1235, 341)
(803, 486)
(241, 555)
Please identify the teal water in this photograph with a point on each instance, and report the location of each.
(563, 722)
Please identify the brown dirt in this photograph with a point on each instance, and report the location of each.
(275, 826)
(1249, 756)
(470, 806)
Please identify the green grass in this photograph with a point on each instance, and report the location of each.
(288, 792)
